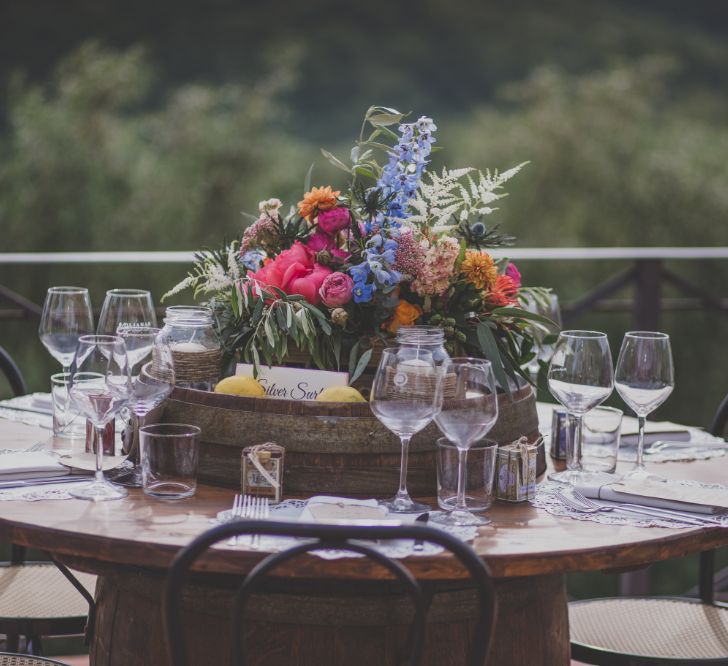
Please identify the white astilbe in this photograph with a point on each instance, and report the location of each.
(213, 272)
(188, 282)
(444, 200)
(233, 267)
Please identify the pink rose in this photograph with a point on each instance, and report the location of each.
(320, 241)
(334, 220)
(515, 275)
(336, 290)
(309, 284)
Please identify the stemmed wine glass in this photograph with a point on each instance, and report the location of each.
(464, 420)
(126, 308)
(66, 317)
(580, 377)
(644, 378)
(151, 383)
(99, 387)
(405, 397)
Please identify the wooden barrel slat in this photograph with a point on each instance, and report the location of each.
(332, 448)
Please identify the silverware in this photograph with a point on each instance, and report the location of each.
(708, 446)
(579, 502)
(420, 543)
(44, 481)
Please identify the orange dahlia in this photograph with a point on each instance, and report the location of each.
(318, 199)
(405, 314)
(479, 269)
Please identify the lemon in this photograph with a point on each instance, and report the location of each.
(340, 394)
(240, 385)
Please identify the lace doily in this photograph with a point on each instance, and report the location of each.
(547, 499)
(396, 548)
(49, 491)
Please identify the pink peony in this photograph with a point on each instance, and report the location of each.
(334, 220)
(320, 241)
(336, 290)
(515, 275)
(295, 272)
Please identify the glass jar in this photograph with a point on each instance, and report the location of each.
(431, 338)
(195, 347)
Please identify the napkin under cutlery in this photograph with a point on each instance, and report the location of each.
(25, 465)
(694, 499)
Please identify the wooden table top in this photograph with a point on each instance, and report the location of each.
(521, 541)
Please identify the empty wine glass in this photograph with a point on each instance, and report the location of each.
(126, 308)
(464, 420)
(644, 378)
(580, 377)
(66, 317)
(405, 397)
(100, 387)
(152, 380)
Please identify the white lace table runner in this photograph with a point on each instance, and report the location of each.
(547, 499)
(396, 548)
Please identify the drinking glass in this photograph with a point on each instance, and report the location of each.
(580, 377)
(405, 397)
(170, 455)
(480, 465)
(151, 384)
(644, 379)
(67, 422)
(66, 317)
(100, 388)
(126, 308)
(464, 420)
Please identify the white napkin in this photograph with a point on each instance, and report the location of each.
(30, 465)
(42, 401)
(660, 495)
(344, 511)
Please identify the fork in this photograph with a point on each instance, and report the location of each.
(581, 503)
(236, 512)
(261, 511)
(38, 446)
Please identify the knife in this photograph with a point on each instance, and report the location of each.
(422, 520)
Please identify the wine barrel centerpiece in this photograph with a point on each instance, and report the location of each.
(331, 448)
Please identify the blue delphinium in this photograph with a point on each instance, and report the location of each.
(401, 177)
(253, 259)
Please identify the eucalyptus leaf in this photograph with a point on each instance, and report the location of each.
(360, 366)
(335, 161)
(490, 350)
(352, 358)
(530, 316)
(307, 181)
(384, 119)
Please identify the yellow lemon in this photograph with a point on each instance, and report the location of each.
(340, 394)
(240, 385)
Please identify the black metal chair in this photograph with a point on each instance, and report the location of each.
(320, 537)
(12, 373)
(644, 631)
(39, 598)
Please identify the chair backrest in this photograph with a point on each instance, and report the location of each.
(12, 372)
(318, 537)
(720, 420)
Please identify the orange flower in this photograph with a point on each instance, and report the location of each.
(318, 199)
(502, 293)
(479, 269)
(405, 314)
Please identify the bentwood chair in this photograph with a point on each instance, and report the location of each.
(7, 659)
(647, 631)
(318, 537)
(39, 598)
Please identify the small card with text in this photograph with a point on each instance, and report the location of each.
(293, 383)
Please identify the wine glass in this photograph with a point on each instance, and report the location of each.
(405, 397)
(66, 317)
(644, 379)
(580, 377)
(151, 384)
(126, 308)
(464, 420)
(99, 387)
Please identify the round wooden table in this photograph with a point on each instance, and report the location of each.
(130, 544)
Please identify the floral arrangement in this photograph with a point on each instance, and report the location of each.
(399, 245)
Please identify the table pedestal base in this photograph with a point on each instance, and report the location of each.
(311, 623)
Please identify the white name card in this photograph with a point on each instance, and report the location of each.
(293, 383)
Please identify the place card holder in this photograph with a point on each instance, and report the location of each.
(261, 471)
(515, 471)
